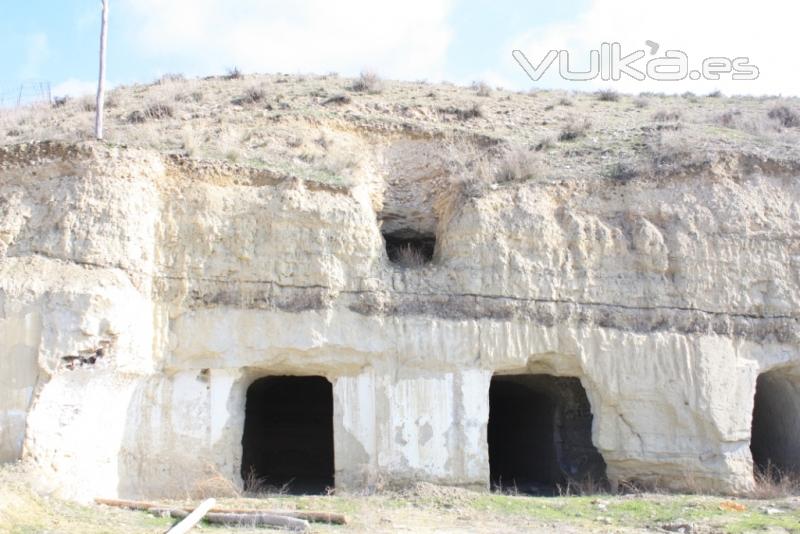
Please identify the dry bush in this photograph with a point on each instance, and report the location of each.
(154, 111)
(574, 129)
(482, 88)
(622, 172)
(641, 102)
(583, 487)
(564, 101)
(233, 74)
(193, 96)
(736, 119)
(60, 101)
(475, 111)
(545, 143)
(667, 116)
(773, 483)
(671, 153)
(337, 99)
(252, 95)
(171, 77)
(367, 82)
(785, 116)
(519, 164)
(607, 95)
(409, 257)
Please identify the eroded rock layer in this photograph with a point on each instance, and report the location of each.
(141, 295)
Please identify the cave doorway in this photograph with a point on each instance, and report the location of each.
(775, 434)
(287, 443)
(540, 436)
(408, 248)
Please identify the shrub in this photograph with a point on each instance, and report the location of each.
(336, 99)
(462, 114)
(564, 101)
(482, 88)
(194, 96)
(171, 77)
(233, 74)
(367, 82)
(409, 257)
(641, 102)
(607, 95)
(667, 116)
(622, 172)
(670, 153)
(156, 111)
(518, 165)
(544, 144)
(253, 95)
(574, 129)
(786, 117)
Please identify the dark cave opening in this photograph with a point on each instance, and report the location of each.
(775, 434)
(540, 435)
(409, 248)
(288, 435)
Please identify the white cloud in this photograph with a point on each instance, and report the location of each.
(74, 87)
(397, 39)
(761, 31)
(36, 52)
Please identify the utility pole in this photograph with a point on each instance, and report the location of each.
(98, 123)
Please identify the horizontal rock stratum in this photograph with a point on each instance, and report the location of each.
(167, 323)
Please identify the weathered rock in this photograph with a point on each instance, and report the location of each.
(140, 296)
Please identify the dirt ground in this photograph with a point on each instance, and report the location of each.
(426, 508)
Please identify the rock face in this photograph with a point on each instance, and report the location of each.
(141, 295)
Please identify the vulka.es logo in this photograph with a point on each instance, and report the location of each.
(609, 64)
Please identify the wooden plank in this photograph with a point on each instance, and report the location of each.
(193, 517)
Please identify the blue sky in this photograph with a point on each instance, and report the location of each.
(457, 40)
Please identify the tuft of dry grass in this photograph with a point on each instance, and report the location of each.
(475, 111)
(482, 88)
(233, 74)
(409, 257)
(667, 116)
(785, 116)
(367, 82)
(622, 172)
(252, 95)
(171, 77)
(518, 165)
(607, 95)
(574, 129)
(774, 483)
(154, 111)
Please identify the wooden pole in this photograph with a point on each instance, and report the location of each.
(316, 517)
(101, 82)
(186, 524)
(253, 520)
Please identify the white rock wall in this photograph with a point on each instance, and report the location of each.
(666, 301)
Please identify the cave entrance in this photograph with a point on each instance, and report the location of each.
(540, 435)
(775, 434)
(409, 248)
(288, 435)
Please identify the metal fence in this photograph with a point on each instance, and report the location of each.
(25, 93)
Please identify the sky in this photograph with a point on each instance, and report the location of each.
(456, 40)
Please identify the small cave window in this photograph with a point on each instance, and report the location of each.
(775, 434)
(540, 435)
(288, 435)
(408, 248)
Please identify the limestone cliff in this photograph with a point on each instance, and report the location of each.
(142, 293)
